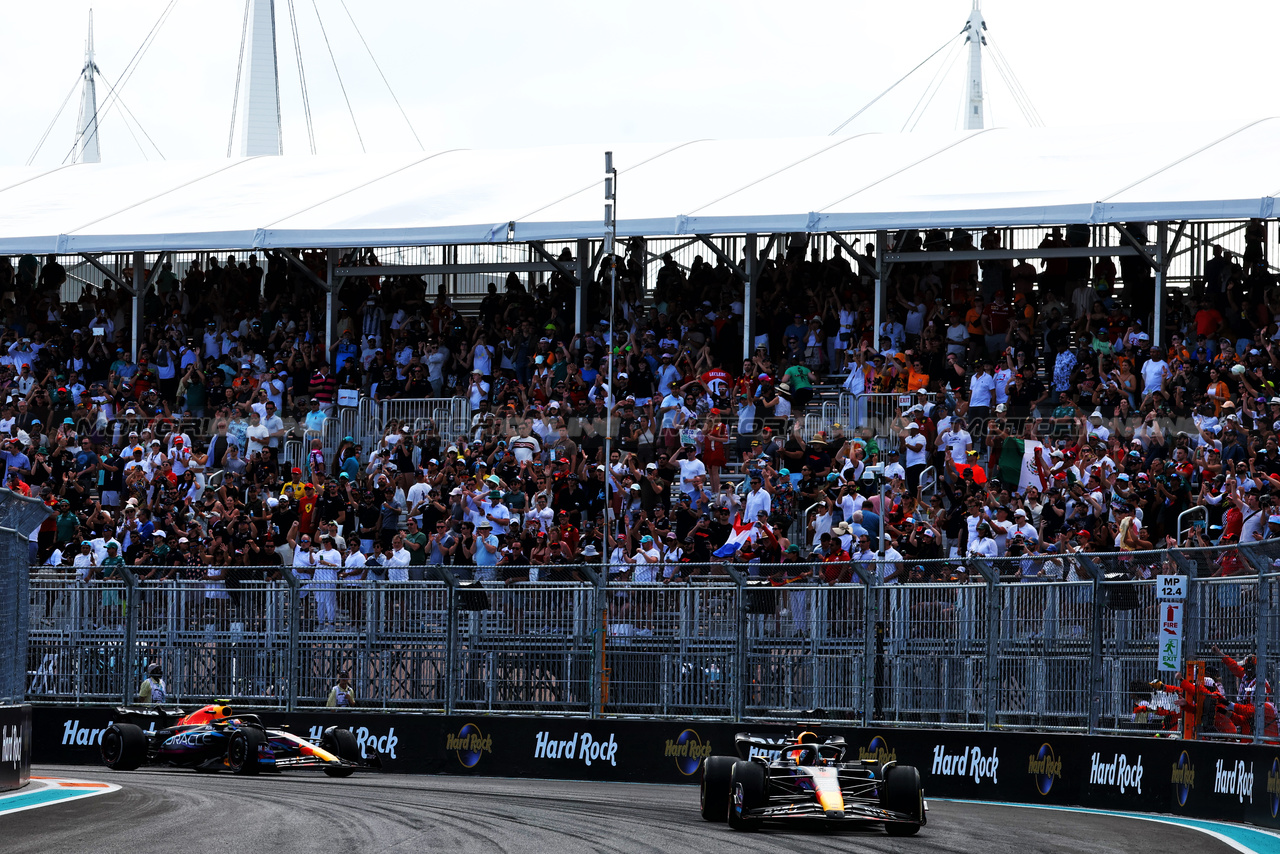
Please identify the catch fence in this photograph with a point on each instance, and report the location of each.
(981, 644)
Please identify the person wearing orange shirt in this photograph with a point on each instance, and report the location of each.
(917, 379)
(976, 327)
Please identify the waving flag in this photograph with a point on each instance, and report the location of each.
(743, 532)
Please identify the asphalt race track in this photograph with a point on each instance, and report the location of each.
(162, 812)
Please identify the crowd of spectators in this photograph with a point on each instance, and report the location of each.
(1043, 419)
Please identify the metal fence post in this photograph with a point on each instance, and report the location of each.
(1259, 561)
(870, 613)
(1095, 652)
(991, 678)
(128, 664)
(1260, 697)
(598, 640)
(293, 659)
(738, 696)
(742, 669)
(450, 637)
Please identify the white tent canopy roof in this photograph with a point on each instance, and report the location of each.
(856, 183)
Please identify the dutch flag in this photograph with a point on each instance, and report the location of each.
(742, 533)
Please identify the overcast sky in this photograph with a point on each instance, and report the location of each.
(503, 73)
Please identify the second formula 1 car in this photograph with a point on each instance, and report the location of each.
(215, 738)
(808, 778)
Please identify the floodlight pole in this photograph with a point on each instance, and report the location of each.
(600, 699)
(610, 234)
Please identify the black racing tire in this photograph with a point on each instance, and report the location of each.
(242, 750)
(342, 743)
(746, 792)
(903, 793)
(124, 747)
(715, 789)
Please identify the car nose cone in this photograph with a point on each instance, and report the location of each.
(835, 813)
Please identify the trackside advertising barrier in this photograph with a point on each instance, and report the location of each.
(1239, 782)
(15, 747)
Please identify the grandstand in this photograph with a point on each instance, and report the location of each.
(945, 390)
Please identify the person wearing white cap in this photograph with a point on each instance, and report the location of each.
(1022, 527)
(917, 455)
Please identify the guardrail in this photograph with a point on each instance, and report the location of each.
(734, 641)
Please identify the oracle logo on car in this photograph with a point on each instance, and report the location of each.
(1184, 778)
(877, 750)
(688, 749)
(189, 739)
(469, 744)
(1044, 766)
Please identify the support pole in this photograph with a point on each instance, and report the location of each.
(1162, 270)
(748, 295)
(330, 302)
(580, 291)
(882, 242)
(139, 291)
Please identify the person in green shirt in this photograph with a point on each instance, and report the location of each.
(800, 378)
(415, 542)
(67, 522)
(111, 569)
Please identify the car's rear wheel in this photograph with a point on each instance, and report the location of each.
(341, 743)
(243, 750)
(716, 774)
(903, 794)
(746, 793)
(124, 747)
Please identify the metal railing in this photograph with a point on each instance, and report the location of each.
(1063, 642)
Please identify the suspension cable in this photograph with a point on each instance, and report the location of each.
(383, 76)
(131, 67)
(235, 100)
(341, 85)
(302, 78)
(56, 116)
(867, 106)
(1013, 91)
(129, 112)
(938, 88)
(1016, 84)
(936, 79)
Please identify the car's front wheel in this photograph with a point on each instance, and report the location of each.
(341, 743)
(244, 749)
(746, 793)
(715, 790)
(124, 747)
(903, 794)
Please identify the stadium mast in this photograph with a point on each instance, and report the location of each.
(260, 127)
(87, 131)
(975, 38)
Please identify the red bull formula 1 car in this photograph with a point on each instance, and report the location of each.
(215, 738)
(808, 778)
